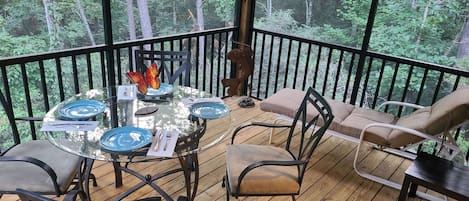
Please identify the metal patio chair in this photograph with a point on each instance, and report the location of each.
(175, 64)
(259, 170)
(37, 165)
(385, 131)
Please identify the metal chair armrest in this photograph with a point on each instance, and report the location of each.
(239, 128)
(399, 104)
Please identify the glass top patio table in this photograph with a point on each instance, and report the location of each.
(172, 114)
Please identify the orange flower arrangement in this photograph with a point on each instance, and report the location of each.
(151, 79)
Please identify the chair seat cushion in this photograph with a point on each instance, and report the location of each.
(264, 179)
(32, 178)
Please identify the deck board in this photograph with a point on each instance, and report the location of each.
(329, 176)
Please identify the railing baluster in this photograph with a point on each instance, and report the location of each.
(212, 52)
(308, 55)
(422, 86)
(393, 81)
(365, 84)
(297, 65)
(27, 97)
(205, 64)
(197, 52)
(437, 88)
(103, 68)
(378, 84)
(119, 66)
(75, 75)
(280, 47)
(347, 83)
(58, 67)
(261, 62)
(254, 61)
(329, 57)
(44, 85)
(225, 71)
(219, 64)
(406, 87)
(269, 66)
(90, 72)
(288, 63)
(316, 68)
(337, 75)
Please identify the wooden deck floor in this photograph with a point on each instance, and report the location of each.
(330, 174)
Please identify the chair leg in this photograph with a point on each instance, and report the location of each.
(293, 197)
(380, 180)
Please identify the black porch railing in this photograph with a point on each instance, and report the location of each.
(43, 80)
(294, 62)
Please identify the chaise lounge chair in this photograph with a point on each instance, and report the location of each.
(385, 130)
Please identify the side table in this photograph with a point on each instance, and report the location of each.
(437, 174)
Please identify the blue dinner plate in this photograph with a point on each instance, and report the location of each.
(209, 110)
(81, 109)
(165, 89)
(124, 139)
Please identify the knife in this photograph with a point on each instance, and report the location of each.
(69, 124)
(158, 138)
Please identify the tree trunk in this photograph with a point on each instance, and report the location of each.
(309, 12)
(463, 47)
(422, 26)
(50, 28)
(83, 18)
(269, 8)
(145, 21)
(131, 20)
(201, 25)
(175, 22)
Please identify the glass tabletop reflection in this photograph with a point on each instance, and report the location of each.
(173, 113)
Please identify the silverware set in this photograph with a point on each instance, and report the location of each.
(159, 138)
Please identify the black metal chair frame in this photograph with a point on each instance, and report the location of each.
(83, 172)
(307, 144)
(31, 196)
(168, 61)
(188, 160)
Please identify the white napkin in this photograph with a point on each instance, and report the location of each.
(190, 101)
(69, 126)
(126, 92)
(166, 144)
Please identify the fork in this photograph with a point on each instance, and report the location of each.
(168, 138)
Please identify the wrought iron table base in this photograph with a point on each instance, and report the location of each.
(188, 164)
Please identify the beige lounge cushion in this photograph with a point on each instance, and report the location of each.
(287, 101)
(265, 179)
(446, 113)
(30, 177)
(360, 117)
(443, 115)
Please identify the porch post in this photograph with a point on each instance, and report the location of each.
(364, 50)
(244, 20)
(111, 76)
